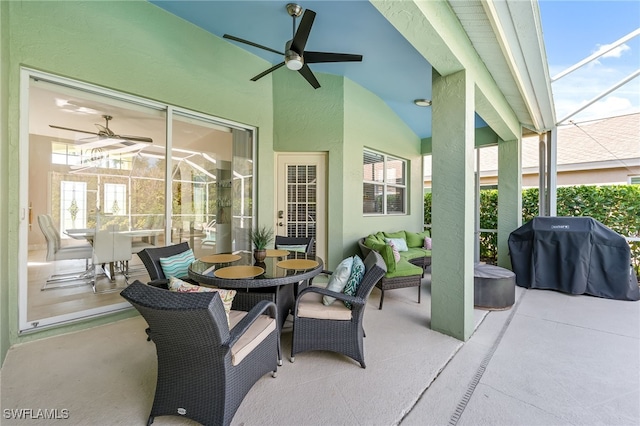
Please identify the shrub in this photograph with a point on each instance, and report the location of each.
(616, 206)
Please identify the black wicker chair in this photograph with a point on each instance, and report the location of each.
(245, 299)
(151, 259)
(200, 373)
(335, 328)
(282, 242)
(295, 241)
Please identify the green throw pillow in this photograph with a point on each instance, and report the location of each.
(371, 240)
(416, 239)
(398, 234)
(386, 252)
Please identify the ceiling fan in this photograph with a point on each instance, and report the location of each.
(106, 132)
(295, 57)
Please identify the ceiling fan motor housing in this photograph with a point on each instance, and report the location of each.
(292, 59)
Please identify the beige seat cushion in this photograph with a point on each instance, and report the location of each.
(311, 306)
(259, 330)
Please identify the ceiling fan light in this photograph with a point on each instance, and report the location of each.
(293, 60)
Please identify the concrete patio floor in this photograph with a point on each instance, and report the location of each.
(553, 359)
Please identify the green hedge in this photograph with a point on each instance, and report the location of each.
(616, 206)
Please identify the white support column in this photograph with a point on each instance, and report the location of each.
(453, 209)
(552, 172)
(509, 195)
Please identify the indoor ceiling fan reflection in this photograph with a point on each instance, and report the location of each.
(105, 133)
(95, 156)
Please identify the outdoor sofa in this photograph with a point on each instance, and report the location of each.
(409, 269)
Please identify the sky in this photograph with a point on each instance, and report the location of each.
(575, 29)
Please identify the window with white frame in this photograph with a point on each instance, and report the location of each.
(115, 198)
(384, 184)
(73, 205)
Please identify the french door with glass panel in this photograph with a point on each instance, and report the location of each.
(301, 198)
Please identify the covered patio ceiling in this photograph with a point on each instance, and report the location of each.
(397, 64)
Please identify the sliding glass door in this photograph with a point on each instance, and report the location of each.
(149, 174)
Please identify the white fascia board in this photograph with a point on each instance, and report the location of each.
(518, 28)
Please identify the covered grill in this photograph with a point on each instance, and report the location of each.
(576, 255)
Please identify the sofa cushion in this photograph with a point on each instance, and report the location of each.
(250, 339)
(372, 239)
(414, 253)
(404, 269)
(386, 252)
(311, 305)
(416, 239)
(427, 243)
(397, 234)
(338, 279)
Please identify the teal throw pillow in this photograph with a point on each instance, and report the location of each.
(399, 243)
(357, 273)
(338, 280)
(178, 264)
(301, 248)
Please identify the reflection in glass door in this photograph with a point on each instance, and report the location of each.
(212, 180)
(85, 180)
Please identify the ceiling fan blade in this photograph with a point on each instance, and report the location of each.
(135, 138)
(302, 33)
(250, 43)
(308, 75)
(262, 74)
(72, 130)
(318, 57)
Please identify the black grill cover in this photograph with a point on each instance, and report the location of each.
(575, 255)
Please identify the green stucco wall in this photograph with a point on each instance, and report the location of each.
(370, 123)
(342, 118)
(133, 47)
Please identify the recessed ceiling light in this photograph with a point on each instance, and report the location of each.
(422, 102)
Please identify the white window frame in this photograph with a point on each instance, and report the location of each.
(386, 184)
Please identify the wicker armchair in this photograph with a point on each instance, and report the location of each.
(205, 369)
(151, 259)
(335, 328)
(245, 299)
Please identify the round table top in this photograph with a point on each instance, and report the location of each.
(220, 258)
(305, 266)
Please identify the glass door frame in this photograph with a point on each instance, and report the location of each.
(26, 74)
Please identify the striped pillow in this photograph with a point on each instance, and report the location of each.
(226, 296)
(177, 265)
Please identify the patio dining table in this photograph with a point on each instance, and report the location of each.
(276, 275)
(239, 270)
